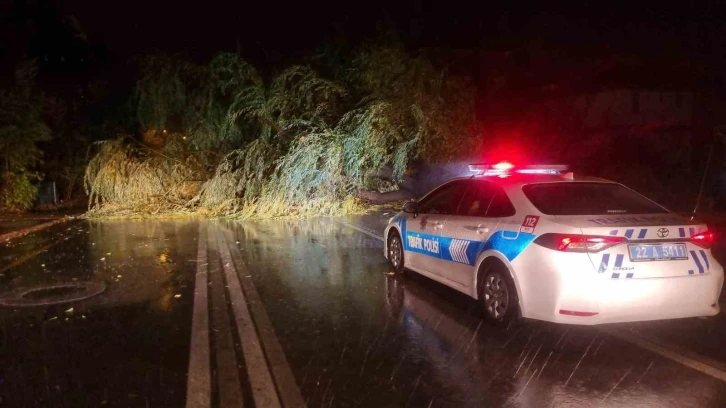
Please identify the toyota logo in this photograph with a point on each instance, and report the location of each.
(663, 232)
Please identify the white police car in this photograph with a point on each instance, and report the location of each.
(551, 246)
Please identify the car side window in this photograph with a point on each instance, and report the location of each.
(477, 199)
(443, 200)
(500, 206)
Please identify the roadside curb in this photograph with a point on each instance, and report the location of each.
(15, 234)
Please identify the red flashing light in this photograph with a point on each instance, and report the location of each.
(577, 313)
(703, 239)
(503, 166)
(578, 243)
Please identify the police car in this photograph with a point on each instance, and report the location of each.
(540, 243)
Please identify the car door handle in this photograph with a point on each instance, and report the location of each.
(480, 229)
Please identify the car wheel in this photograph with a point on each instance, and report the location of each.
(395, 252)
(497, 294)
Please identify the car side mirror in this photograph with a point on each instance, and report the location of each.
(411, 207)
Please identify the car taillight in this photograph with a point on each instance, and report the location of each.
(703, 239)
(577, 243)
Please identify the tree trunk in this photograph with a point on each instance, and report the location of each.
(384, 198)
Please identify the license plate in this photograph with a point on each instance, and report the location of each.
(657, 252)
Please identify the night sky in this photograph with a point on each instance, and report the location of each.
(83, 37)
(290, 28)
(573, 47)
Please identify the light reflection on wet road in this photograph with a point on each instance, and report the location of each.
(353, 335)
(358, 337)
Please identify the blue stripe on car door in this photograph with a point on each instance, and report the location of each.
(510, 245)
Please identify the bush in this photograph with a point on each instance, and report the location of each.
(18, 191)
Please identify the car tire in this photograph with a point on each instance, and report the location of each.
(395, 252)
(497, 294)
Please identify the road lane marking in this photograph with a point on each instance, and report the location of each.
(366, 231)
(673, 355)
(697, 364)
(21, 260)
(263, 388)
(228, 381)
(14, 234)
(285, 379)
(199, 376)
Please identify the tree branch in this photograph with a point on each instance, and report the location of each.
(270, 123)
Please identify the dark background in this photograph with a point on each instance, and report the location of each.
(77, 40)
(88, 53)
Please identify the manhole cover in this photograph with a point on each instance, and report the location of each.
(53, 292)
(52, 295)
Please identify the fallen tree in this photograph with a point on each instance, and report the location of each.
(124, 178)
(301, 144)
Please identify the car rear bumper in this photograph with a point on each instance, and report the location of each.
(631, 300)
(597, 299)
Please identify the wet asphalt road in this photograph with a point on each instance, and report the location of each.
(350, 334)
(125, 347)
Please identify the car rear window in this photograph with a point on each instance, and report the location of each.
(588, 199)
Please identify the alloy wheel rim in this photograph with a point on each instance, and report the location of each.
(496, 296)
(394, 252)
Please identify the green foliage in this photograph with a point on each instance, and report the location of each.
(164, 89)
(21, 129)
(380, 134)
(218, 124)
(297, 94)
(311, 176)
(299, 144)
(424, 103)
(239, 178)
(18, 191)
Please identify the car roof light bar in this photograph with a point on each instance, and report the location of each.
(501, 170)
